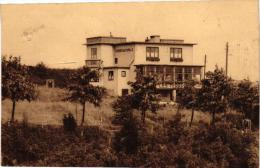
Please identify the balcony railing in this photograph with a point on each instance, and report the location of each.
(93, 63)
(170, 85)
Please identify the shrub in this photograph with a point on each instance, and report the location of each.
(69, 123)
(176, 129)
(21, 144)
(235, 119)
(96, 135)
(127, 139)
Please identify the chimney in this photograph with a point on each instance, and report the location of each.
(155, 38)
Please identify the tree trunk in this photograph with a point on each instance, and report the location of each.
(192, 115)
(13, 110)
(178, 109)
(143, 117)
(213, 118)
(83, 114)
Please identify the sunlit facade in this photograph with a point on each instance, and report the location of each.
(171, 61)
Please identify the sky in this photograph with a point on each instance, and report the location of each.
(55, 33)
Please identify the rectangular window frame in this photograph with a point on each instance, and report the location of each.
(123, 73)
(93, 53)
(116, 60)
(110, 75)
(176, 54)
(169, 74)
(152, 54)
(178, 75)
(187, 73)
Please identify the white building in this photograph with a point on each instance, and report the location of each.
(171, 60)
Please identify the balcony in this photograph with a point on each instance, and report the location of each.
(93, 63)
(170, 85)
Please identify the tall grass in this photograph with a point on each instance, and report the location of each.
(49, 109)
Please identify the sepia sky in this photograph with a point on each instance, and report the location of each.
(54, 33)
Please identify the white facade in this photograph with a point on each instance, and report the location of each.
(168, 59)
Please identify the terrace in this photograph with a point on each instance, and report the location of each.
(93, 63)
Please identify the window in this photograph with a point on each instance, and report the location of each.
(152, 54)
(116, 60)
(176, 54)
(159, 73)
(169, 74)
(123, 73)
(187, 73)
(178, 74)
(150, 70)
(110, 75)
(197, 72)
(93, 53)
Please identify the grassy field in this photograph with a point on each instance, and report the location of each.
(49, 109)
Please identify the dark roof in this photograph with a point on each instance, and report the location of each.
(171, 65)
(104, 37)
(116, 67)
(140, 42)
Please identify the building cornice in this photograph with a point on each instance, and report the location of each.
(116, 67)
(141, 43)
(170, 65)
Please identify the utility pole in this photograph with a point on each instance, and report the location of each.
(227, 58)
(205, 62)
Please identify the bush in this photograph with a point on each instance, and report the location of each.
(96, 135)
(235, 119)
(31, 146)
(22, 144)
(127, 139)
(69, 123)
(176, 129)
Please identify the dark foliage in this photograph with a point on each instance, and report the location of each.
(127, 139)
(173, 145)
(123, 109)
(41, 72)
(48, 146)
(81, 90)
(16, 83)
(245, 99)
(69, 123)
(214, 94)
(22, 144)
(144, 95)
(188, 97)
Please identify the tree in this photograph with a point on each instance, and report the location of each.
(245, 99)
(127, 139)
(213, 96)
(123, 108)
(188, 97)
(41, 70)
(16, 84)
(81, 90)
(144, 95)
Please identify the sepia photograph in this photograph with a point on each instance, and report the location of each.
(130, 84)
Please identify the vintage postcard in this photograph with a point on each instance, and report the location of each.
(130, 84)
